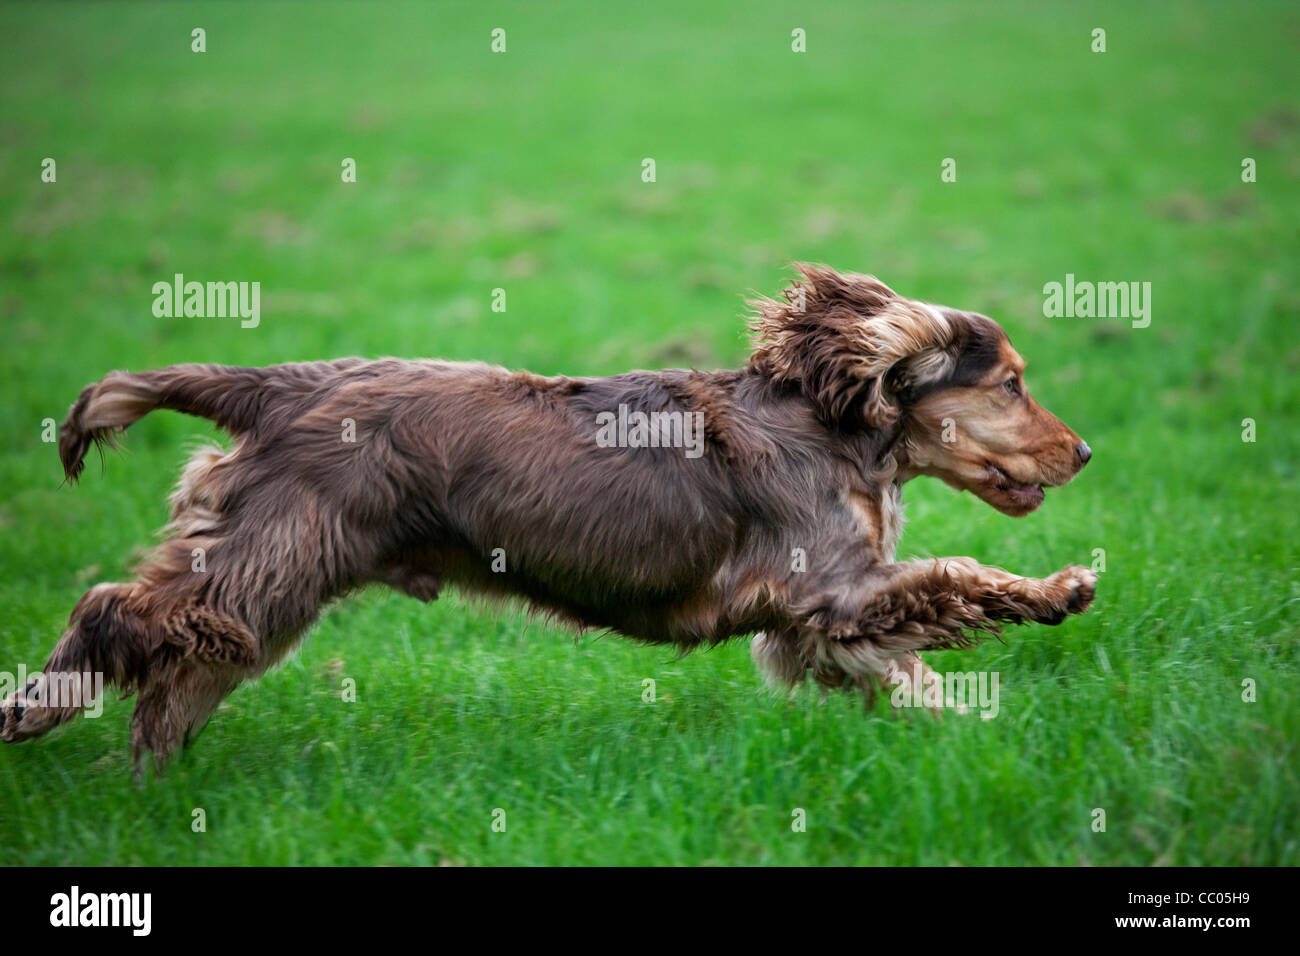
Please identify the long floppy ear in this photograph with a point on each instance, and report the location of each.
(850, 343)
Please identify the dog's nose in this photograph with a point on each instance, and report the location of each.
(1082, 452)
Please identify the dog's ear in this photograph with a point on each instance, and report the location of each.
(850, 343)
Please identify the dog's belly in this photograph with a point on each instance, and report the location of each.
(699, 610)
(651, 614)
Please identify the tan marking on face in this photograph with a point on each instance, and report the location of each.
(1010, 364)
(1004, 446)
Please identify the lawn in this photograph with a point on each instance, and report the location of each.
(523, 171)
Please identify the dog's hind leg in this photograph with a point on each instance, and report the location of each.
(123, 636)
(174, 707)
(251, 559)
(165, 636)
(105, 641)
(45, 701)
(259, 593)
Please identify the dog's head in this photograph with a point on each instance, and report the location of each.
(948, 382)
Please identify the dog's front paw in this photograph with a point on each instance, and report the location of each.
(1070, 591)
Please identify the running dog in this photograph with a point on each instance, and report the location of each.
(780, 518)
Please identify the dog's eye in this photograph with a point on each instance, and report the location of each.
(1012, 385)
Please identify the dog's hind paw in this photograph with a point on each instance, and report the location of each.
(12, 711)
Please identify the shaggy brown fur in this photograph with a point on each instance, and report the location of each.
(786, 525)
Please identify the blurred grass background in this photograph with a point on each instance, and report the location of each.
(523, 171)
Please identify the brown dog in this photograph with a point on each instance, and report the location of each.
(677, 507)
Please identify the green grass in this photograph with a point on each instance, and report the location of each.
(522, 171)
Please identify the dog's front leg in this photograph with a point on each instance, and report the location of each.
(877, 626)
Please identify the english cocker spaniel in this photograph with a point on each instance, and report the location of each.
(675, 507)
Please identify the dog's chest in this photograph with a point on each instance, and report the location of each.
(891, 506)
(880, 515)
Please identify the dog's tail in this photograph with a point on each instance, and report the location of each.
(237, 399)
(227, 396)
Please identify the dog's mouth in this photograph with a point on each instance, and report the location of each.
(1010, 496)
